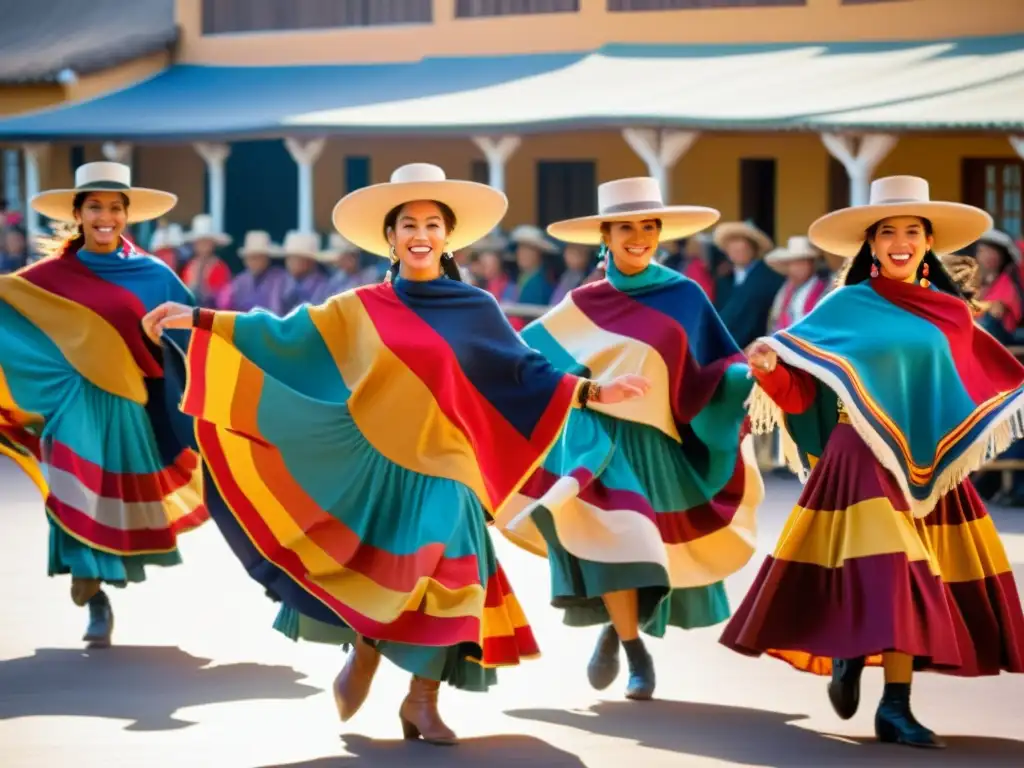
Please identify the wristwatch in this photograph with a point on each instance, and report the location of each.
(591, 390)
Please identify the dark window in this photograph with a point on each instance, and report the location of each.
(996, 185)
(480, 172)
(225, 16)
(757, 193)
(565, 189)
(466, 9)
(838, 185)
(615, 6)
(357, 172)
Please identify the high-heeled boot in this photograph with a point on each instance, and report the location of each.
(604, 664)
(101, 621)
(419, 715)
(641, 670)
(896, 724)
(352, 685)
(844, 687)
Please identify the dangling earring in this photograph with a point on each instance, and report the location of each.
(874, 266)
(394, 256)
(924, 275)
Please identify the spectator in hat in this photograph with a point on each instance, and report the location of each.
(13, 249)
(532, 285)
(349, 272)
(306, 265)
(206, 274)
(801, 264)
(263, 282)
(744, 296)
(1000, 287)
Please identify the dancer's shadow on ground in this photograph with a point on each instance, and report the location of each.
(759, 737)
(140, 683)
(489, 751)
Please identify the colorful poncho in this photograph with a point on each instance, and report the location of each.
(83, 408)
(356, 449)
(932, 394)
(698, 525)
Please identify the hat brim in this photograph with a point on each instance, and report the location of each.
(780, 259)
(143, 204)
(478, 209)
(954, 225)
(220, 238)
(274, 252)
(732, 229)
(677, 222)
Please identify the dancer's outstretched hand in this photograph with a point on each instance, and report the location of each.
(170, 314)
(621, 388)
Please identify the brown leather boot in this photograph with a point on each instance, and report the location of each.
(419, 715)
(352, 685)
(84, 590)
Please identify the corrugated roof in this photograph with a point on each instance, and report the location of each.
(39, 38)
(972, 84)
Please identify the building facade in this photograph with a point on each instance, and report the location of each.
(783, 179)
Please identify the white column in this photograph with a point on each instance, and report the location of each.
(34, 154)
(1017, 142)
(215, 156)
(12, 179)
(497, 151)
(860, 156)
(660, 149)
(117, 152)
(305, 154)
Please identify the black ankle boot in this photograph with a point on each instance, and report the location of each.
(844, 687)
(896, 724)
(604, 664)
(641, 670)
(101, 621)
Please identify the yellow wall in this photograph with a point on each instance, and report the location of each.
(817, 21)
(708, 174)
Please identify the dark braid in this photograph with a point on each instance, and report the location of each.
(450, 268)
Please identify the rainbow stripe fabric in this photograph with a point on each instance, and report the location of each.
(871, 344)
(83, 407)
(655, 492)
(358, 448)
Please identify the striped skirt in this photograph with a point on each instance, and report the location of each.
(854, 574)
(654, 520)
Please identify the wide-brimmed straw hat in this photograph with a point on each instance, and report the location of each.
(954, 225)
(528, 234)
(478, 208)
(203, 228)
(297, 243)
(797, 248)
(257, 241)
(635, 199)
(143, 204)
(336, 246)
(729, 230)
(171, 236)
(1000, 239)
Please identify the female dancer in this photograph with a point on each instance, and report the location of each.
(82, 403)
(892, 396)
(360, 447)
(645, 508)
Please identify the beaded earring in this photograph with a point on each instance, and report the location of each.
(874, 266)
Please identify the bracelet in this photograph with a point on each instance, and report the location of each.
(590, 390)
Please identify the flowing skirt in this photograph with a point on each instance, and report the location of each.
(651, 518)
(854, 574)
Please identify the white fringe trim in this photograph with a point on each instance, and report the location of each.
(996, 438)
(765, 418)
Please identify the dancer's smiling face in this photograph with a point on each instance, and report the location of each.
(418, 232)
(102, 217)
(900, 244)
(632, 244)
